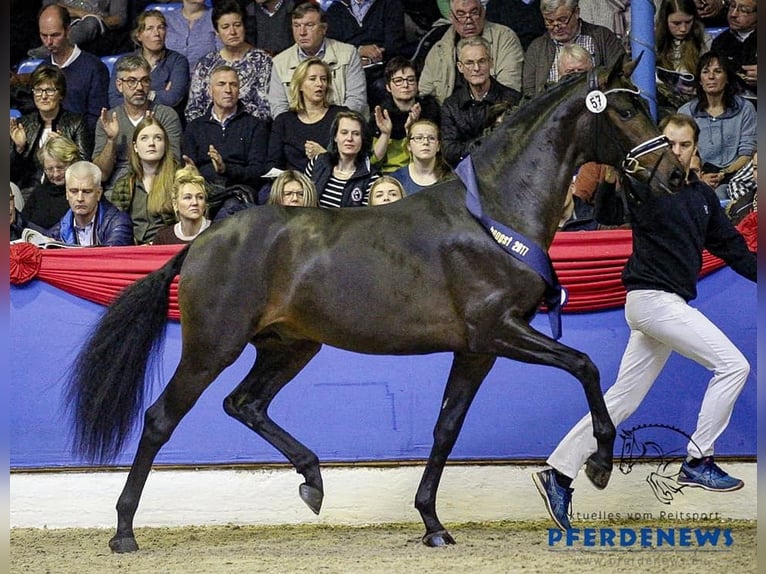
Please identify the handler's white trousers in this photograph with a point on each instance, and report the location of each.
(659, 323)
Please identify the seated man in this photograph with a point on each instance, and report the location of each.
(91, 220)
(348, 83)
(440, 77)
(739, 45)
(267, 24)
(521, 16)
(226, 144)
(562, 20)
(466, 113)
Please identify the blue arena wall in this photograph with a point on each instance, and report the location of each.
(350, 407)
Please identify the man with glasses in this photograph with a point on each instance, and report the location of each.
(440, 76)
(564, 26)
(347, 81)
(398, 109)
(114, 131)
(466, 113)
(739, 44)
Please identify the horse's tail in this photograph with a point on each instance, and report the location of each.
(105, 387)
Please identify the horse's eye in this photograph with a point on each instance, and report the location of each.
(627, 113)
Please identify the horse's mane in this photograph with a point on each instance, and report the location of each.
(625, 433)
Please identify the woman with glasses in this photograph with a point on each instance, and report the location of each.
(303, 132)
(48, 203)
(170, 70)
(189, 197)
(400, 106)
(564, 26)
(293, 188)
(426, 166)
(49, 119)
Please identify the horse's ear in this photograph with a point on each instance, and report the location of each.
(623, 67)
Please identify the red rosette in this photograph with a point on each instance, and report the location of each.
(25, 262)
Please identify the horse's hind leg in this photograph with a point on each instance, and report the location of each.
(466, 376)
(190, 379)
(276, 364)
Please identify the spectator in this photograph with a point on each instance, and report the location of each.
(226, 144)
(521, 16)
(574, 59)
(87, 78)
(712, 12)
(743, 190)
(465, 114)
(268, 25)
(91, 219)
(303, 131)
(30, 131)
(376, 29)
(343, 175)
(145, 190)
(426, 165)
(98, 25)
(169, 69)
(399, 108)
(727, 122)
(251, 64)
(564, 26)
(680, 40)
(189, 198)
(18, 198)
(577, 215)
(440, 77)
(293, 188)
(386, 189)
(17, 226)
(114, 131)
(739, 44)
(190, 31)
(48, 203)
(347, 82)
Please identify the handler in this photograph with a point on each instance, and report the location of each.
(660, 277)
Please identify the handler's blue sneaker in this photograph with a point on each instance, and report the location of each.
(557, 498)
(708, 475)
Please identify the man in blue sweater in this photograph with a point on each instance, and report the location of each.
(669, 235)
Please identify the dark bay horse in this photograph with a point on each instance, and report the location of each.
(418, 276)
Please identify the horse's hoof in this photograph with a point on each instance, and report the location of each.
(311, 496)
(438, 539)
(597, 473)
(123, 545)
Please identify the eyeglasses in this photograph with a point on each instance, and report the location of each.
(463, 17)
(742, 9)
(481, 63)
(421, 139)
(295, 194)
(54, 170)
(133, 82)
(412, 80)
(559, 22)
(39, 92)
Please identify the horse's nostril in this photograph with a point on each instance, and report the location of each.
(676, 178)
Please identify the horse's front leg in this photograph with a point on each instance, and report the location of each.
(466, 376)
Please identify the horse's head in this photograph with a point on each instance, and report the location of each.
(628, 452)
(630, 136)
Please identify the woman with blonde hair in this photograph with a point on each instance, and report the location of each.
(386, 189)
(190, 206)
(293, 188)
(426, 166)
(303, 132)
(145, 191)
(47, 203)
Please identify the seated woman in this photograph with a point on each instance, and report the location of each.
(343, 174)
(303, 132)
(293, 188)
(145, 191)
(170, 70)
(253, 66)
(399, 107)
(190, 206)
(680, 40)
(385, 190)
(426, 166)
(30, 131)
(48, 203)
(727, 123)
